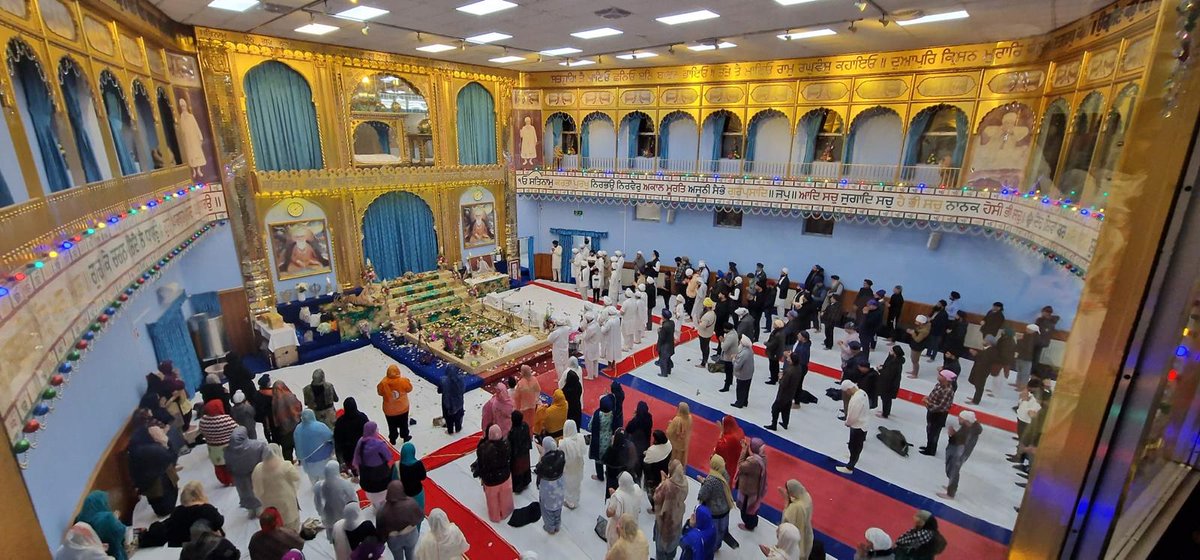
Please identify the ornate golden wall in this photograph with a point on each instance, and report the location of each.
(343, 189)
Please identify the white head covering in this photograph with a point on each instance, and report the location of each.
(618, 253)
(1033, 328)
(628, 292)
(745, 341)
(783, 270)
(689, 272)
(737, 280)
(639, 252)
(967, 416)
(612, 311)
(443, 539)
(741, 311)
(589, 316)
(239, 397)
(613, 259)
(641, 287)
(879, 540)
(81, 543)
(787, 541)
(921, 319)
(847, 385)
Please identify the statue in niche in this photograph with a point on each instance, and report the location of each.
(1002, 147)
(528, 143)
(191, 140)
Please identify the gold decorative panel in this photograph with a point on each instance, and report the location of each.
(885, 88)
(132, 51)
(637, 97)
(598, 98)
(946, 86)
(724, 95)
(1136, 53)
(1101, 65)
(155, 59)
(560, 98)
(99, 35)
(1017, 82)
(58, 19)
(825, 91)
(773, 94)
(527, 99)
(17, 8)
(679, 96)
(1065, 74)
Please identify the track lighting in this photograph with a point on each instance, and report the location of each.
(366, 29)
(861, 5)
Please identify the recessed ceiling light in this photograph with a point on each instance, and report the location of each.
(316, 29)
(436, 48)
(597, 33)
(573, 63)
(947, 16)
(484, 7)
(488, 38)
(698, 15)
(792, 2)
(807, 34)
(560, 52)
(360, 13)
(712, 47)
(506, 59)
(636, 55)
(233, 5)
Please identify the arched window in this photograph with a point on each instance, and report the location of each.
(168, 123)
(119, 123)
(390, 100)
(1049, 145)
(149, 134)
(1112, 139)
(874, 144)
(817, 147)
(598, 142)
(768, 143)
(636, 141)
(84, 120)
(1085, 131)
(36, 109)
(678, 140)
(476, 126)
(937, 136)
(372, 138)
(721, 138)
(282, 118)
(562, 136)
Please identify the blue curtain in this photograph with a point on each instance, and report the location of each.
(117, 115)
(41, 115)
(206, 302)
(556, 130)
(146, 118)
(810, 126)
(664, 136)
(596, 242)
(71, 89)
(718, 120)
(282, 118)
(751, 141)
(476, 126)
(632, 128)
(398, 235)
(381, 130)
(168, 122)
(171, 340)
(962, 134)
(917, 129)
(584, 141)
(5, 195)
(566, 241)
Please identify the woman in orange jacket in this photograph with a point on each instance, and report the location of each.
(395, 389)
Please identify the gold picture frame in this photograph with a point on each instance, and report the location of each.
(478, 223)
(293, 260)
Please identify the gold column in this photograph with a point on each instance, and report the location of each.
(18, 520)
(1136, 212)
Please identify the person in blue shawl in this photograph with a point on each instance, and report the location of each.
(700, 541)
(452, 389)
(97, 513)
(314, 445)
(602, 427)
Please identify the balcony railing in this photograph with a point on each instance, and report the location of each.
(932, 175)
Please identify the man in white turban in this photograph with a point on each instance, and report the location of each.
(559, 343)
(591, 345)
(611, 330)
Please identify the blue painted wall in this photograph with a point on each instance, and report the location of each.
(108, 383)
(982, 270)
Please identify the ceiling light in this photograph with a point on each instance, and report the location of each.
(360, 13)
(861, 5)
(597, 33)
(316, 29)
(807, 34)
(792, 2)
(506, 59)
(698, 15)
(488, 38)
(961, 14)
(436, 48)
(233, 5)
(365, 29)
(712, 47)
(573, 63)
(637, 55)
(485, 7)
(561, 51)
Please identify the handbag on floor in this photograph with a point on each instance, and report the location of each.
(894, 440)
(521, 517)
(601, 528)
(716, 367)
(808, 398)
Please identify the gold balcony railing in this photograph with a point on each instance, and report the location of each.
(273, 184)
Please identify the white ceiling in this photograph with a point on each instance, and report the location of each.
(546, 24)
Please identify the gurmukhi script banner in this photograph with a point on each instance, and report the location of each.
(1067, 233)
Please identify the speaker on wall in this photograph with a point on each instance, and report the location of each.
(935, 239)
(670, 215)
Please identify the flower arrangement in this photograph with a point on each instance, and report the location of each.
(324, 328)
(364, 328)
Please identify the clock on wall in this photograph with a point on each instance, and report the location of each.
(295, 209)
(477, 195)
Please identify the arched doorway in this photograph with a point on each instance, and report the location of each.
(282, 117)
(398, 235)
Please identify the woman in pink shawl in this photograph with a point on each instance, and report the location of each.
(498, 410)
(751, 483)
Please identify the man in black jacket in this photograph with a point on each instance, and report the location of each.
(871, 323)
(776, 344)
(666, 344)
(938, 320)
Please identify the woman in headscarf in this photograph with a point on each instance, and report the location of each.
(551, 490)
(730, 445)
(679, 433)
(498, 410)
(716, 495)
(526, 393)
(264, 403)
(443, 541)
(314, 445)
(520, 444)
(273, 540)
(355, 536)
(787, 544)
(243, 414)
(347, 431)
(877, 546)
(751, 483)
(575, 451)
(552, 418)
(207, 544)
(631, 543)
(452, 388)
(618, 394)
(626, 499)
(330, 495)
(152, 468)
(601, 429)
(669, 498)
(238, 376)
(798, 512)
(213, 389)
(410, 471)
(217, 427)
(276, 484)
(399, 521)
(152, 403)
(639, 429)
(81, 543)
(285, 411)
(620, 458)
(493, 464)
(923, 541)
(179, 404)
(371, 458)
(320, 397)
(146, 429)
(193, 507)
(104, 522)
(655, 461)
(572, 389)
(701, 540)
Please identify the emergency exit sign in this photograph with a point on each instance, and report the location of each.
(579, 212)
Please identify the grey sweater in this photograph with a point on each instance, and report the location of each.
(712, 496)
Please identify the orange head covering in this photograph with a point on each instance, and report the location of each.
(214, 408)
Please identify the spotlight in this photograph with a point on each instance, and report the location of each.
(861, 5)
(366, 29)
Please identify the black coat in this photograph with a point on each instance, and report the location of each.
(210, 391)
(573, 390)
(992, 323)
(666, 338)
(493, 461)
(895, 307)
(639, 429)
(981, 368)
(789, 384)
(776, 344)
(872, 322)
(889, 376)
